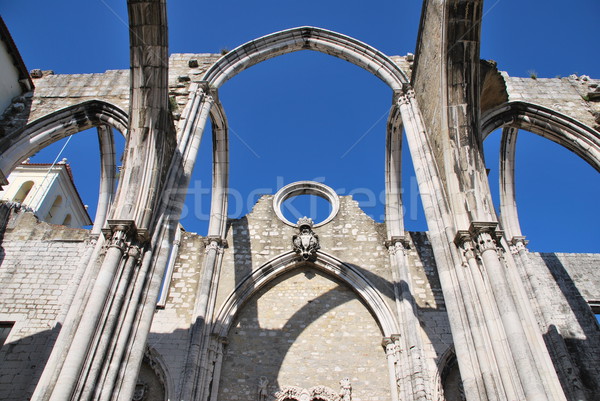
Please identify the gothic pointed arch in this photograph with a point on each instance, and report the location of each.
(306, 38)
(566, 131)
(324, 262)
(55, 126)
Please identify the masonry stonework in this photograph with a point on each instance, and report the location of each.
(262, 309)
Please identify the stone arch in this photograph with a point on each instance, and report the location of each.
(306, 38)
(324, 41)
(325, 263)
(547, 123)
(566, 131)
(348, 279)
(153, 360)
(448, 382)
(55, 126)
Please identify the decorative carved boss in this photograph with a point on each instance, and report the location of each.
(306, 242)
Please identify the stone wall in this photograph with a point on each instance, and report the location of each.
(576, 96)
(169, 336)
(56, 91)
(565, 282)
(40, 265)
(304, 329)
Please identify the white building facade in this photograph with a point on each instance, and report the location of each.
(49, 191)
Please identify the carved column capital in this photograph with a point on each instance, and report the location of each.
(485, 235)
(464, 242)
(134, 252)
(117, 239)
(397, 244)
(518, 244)
(120, 232)
(214, 242)
(390, 346)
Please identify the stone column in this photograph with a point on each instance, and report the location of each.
(121, 234)
(497, 370)
(485, 238)
(197, 373)
(390, 353)
(553, 343)
(412, 372)
(111, 318)
(441, 234)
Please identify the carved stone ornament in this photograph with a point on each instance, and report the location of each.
(306, 242)
(345, 389)
(263, 392)
(322, 393)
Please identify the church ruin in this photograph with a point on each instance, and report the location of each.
(263, 308)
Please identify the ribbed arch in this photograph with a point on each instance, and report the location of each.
(55, 126)
(306, 38)
(550, 124)
(326, 263)
(566, 131)
(292, 40)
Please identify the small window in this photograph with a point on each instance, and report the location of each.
(23, 192)
(5, 328)
(67, 221)
(54, 209)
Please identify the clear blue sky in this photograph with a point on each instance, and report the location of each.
(310, 116)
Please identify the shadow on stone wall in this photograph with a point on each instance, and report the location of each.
(583, 354)
(22, 362)
(241, 256)
(270, 347)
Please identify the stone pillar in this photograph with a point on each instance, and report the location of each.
(412, 372)
(198, 370)
(120, 234)
(527, 351)
(554, 343)
(390, 353)
(495, 367)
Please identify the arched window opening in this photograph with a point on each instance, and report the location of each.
(84, 161)
(22, 193)
(53, 212)
(451, 381)
(556, 193)
(195, 213)
(67, 221)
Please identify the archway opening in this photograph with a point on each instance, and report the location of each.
(83, 157)
(23, 191)
(307, 120)
(305, 341)
(556, 193)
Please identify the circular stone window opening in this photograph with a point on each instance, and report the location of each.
(306, 199)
